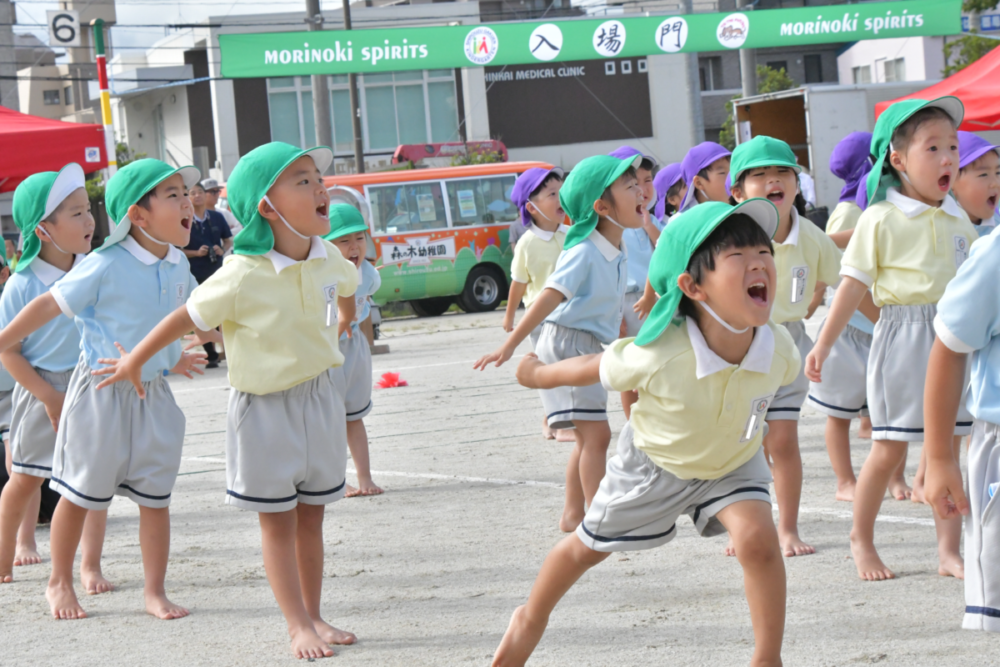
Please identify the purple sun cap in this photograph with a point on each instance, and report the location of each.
(861, 199)
(697, 159)
(665, 179)
(527, 183)
(850, 162)
(971, 147)
(626, 152)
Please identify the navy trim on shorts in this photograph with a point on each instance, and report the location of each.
(784, 409)
(587, 411)
(261, 500)
(367, 407)
(983, 611)
(897, 429)
(29, 465)
(90, 498)
(743, 489)
(143, 495)
(324, 493)
(957, 424)
(835, 407)
(627, 538)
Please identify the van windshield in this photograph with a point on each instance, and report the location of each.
(407, 207)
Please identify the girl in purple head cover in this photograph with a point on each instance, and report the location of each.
(977, 187)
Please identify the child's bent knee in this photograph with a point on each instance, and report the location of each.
(584, 555)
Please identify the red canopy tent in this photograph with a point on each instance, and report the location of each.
(29, 144)
(978, 86)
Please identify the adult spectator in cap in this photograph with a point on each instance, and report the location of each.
(211, 238)
(212, 192)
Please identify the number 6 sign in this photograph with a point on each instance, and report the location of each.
(64, 27)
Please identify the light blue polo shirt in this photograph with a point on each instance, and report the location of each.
(370, 281)
(592, 275)
(968, 321)
(640, 253)
(120, 294)
(6, 380)
(55, 347)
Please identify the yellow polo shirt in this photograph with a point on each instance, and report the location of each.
(808, 255)
(905, 251)
(698, 416)
(535, 257)
(844, 217)
(278, 315)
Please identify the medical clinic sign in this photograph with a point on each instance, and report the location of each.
(445, 47)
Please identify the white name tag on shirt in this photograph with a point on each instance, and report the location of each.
(800, 275)
(180, 292)
(758, 411)
(961, 250)
(330, 294)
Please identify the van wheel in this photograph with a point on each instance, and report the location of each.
(431, 307)
(484, 290)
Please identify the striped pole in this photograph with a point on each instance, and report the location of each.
(102, 78)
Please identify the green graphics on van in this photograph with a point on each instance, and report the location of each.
(517, 43)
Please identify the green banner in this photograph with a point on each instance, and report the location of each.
(279, 54)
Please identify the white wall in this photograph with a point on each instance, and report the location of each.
(924, 58)
(137, 123)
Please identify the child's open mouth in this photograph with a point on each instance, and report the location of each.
(356, 259)
(758, 292)
(944, 183)
(186, 223)
(992, 201)
(776, 197)
(322, 210)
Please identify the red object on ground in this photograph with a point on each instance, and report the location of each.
(390, 380)
(978, 86)
(32, 144)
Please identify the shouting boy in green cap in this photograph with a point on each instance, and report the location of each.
(581, 306)
(113, 442)
(283, 300)
(707, 363)
(52, 211)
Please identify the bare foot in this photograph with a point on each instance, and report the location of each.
(570, 519)
(162, 608)
(94, 582)
(6, 578)
(365, 488)
(870, 566)
(519, 641)
(332, 635)
(25, 555)
(792, 545)
(917, 494)
(565, 435)
(845, 492)
(309, 645)
(865, 430)
(547, 433)
(730, 549)
(63, 602)
(952, 566)
(899, 489)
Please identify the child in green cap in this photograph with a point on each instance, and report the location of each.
(581, 307)
(52, 211)
(806, 260)
(113, 442)
(908, 245)
(349, 234)
(707, 363)
(283, 300)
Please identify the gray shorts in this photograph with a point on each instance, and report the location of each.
(32, 439)
(788, 400)
(638, 502)
(632, 321)
(112, 442)
(897, 368)
(357, 370)
(982, 531)
(6, 408)
(564, 405)
(843, 393)
(288, 447)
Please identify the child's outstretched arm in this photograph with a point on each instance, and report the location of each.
(540, 309)
(26, 376)
(514, 298)
(574, 372)
(942, 393)
(869, 309)
(347, 310)
(646, 302)
(845, 302)
(34, 316)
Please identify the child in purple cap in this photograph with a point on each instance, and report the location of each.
(977, 188)
(670, 191)
(705, 168)
(536, 195)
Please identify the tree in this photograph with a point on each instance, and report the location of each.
(123, 155)
(769, 80)
(969, 48)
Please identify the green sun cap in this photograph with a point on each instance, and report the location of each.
(253, 176)
(344, 220)
(36, 198)
(760, 152)
(585, 184)
(678, 243)
(130, 184)
(897, 114)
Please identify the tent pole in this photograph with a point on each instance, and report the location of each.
(102, 78)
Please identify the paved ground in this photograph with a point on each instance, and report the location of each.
(429, 573)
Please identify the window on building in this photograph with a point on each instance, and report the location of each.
(407, 207)
(481, 201)
(52, 97)
(68, 95)
(814, 68)
(861, 74)
(778, 65)
(396, 108)
(895, 70)
(710, 72)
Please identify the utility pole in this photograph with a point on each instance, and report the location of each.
(320, 89)
(102, 79)
(8, 64)
(748, 62)
(694, 89)
(352, 83)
